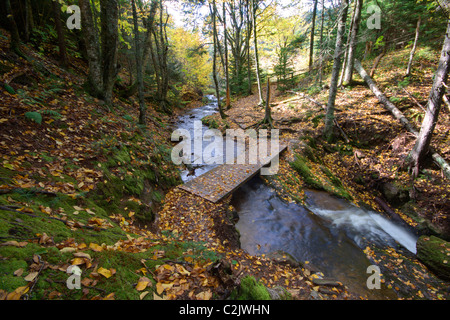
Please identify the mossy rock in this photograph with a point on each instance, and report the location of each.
(433, 252)
(250, 289)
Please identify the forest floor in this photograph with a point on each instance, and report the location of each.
(81, 184)
(374, 154)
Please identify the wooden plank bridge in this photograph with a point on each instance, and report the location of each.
(223, 180)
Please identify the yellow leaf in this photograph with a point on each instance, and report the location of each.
(105, 272)
(159, 288)
(109, 297)
(206, 295)
(143, 283)
(95, 247)
(16, 294)
(78, 261)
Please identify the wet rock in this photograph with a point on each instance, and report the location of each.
(279, 293)
(326, 282)
(435, 254)
(283, 258)
(394, 193)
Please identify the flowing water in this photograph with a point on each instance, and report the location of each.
(328, 233)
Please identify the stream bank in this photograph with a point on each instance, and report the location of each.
(328, 239)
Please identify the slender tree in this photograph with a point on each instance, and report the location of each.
(139, 66)
(60, 31)
(110, 43)
(227, 76)
(422, 146)
(254, 5)
(213, 10)
(15, 38)
(413, 50)
(313, 30)
(329, 117)
(353, 41)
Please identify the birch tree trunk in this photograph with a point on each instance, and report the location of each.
(399, 115)
(227, 77)
(215, 43)
(413, 50)
(348, 72)
(329, 117)
(311, 42)
(421, 148)
(249, 62)
(255, 39)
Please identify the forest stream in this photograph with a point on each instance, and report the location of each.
(328, 234)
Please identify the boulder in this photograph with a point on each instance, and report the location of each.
(394, 194)
(282, 257)
(435, 254)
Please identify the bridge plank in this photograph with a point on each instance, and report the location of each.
(223, 180)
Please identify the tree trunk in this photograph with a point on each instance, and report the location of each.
(29, 21)
(215, 41)
(255, 39)
(348, 72)
(91, 40)
(139, 67)
(321, 44)
(422, 145)
(110, 40)
(329, 117)
(59, 30)
(227, 78)
(311, 42)
(398, 114)
(147, 49)
(413, 50)
(268, 121)
(15, 38)
(249, 62)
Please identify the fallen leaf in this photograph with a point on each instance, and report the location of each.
(106, 273)
(109, 297)
(31, 276)
(54, 294)
(95, 247)
(142, 283)
(67, 250)
(156, 297)
(18, 272)
(143, 294)
(82, 255)
(14, 243)
(18, 293)
(206, 295)
(159, 288)
(78, 261)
